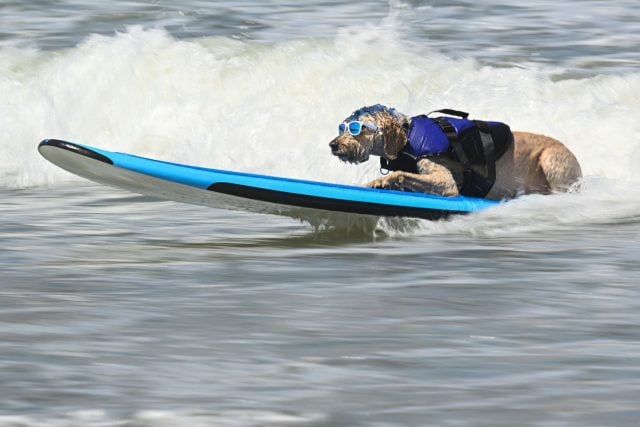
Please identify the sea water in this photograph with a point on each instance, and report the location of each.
(119, 310)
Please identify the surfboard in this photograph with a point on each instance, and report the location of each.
(246, 191)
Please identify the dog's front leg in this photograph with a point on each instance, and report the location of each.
(405, 181)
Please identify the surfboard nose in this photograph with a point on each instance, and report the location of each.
(46, 145)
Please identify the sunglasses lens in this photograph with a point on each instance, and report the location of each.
(342, 127)
(355, 128)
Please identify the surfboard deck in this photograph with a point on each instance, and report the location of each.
(244, 191)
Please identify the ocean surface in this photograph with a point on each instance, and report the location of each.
(117, 310)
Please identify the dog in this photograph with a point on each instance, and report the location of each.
(450, 155)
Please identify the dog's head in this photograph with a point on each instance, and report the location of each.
(376, 130)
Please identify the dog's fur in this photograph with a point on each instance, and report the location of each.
(534, 163)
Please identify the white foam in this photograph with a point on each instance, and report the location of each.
(272, 108)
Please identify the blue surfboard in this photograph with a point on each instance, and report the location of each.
(245, 191)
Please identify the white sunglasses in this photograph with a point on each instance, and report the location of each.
(355, 127)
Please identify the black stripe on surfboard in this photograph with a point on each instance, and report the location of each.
(325, 203)
(75, 148)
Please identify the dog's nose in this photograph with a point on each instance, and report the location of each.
(334, 145)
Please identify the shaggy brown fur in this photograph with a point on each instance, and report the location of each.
(533, 164)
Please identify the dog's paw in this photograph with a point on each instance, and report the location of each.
(377, 183)
(392, 181)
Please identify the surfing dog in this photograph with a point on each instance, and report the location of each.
(450, 155)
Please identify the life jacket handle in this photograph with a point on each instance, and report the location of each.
(450, 112)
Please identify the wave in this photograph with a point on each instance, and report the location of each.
(272, 108)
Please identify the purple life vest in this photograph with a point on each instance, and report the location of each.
(470, 142)
(427, 137)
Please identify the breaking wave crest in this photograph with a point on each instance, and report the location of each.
(272, 108)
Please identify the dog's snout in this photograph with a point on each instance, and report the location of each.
(334, 144)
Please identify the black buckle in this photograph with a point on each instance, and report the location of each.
(384, 166)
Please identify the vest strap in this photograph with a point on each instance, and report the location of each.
(404, 162)
(455, 142)
(488, 148)
(473, 184)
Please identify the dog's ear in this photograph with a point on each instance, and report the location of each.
(394, 134)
